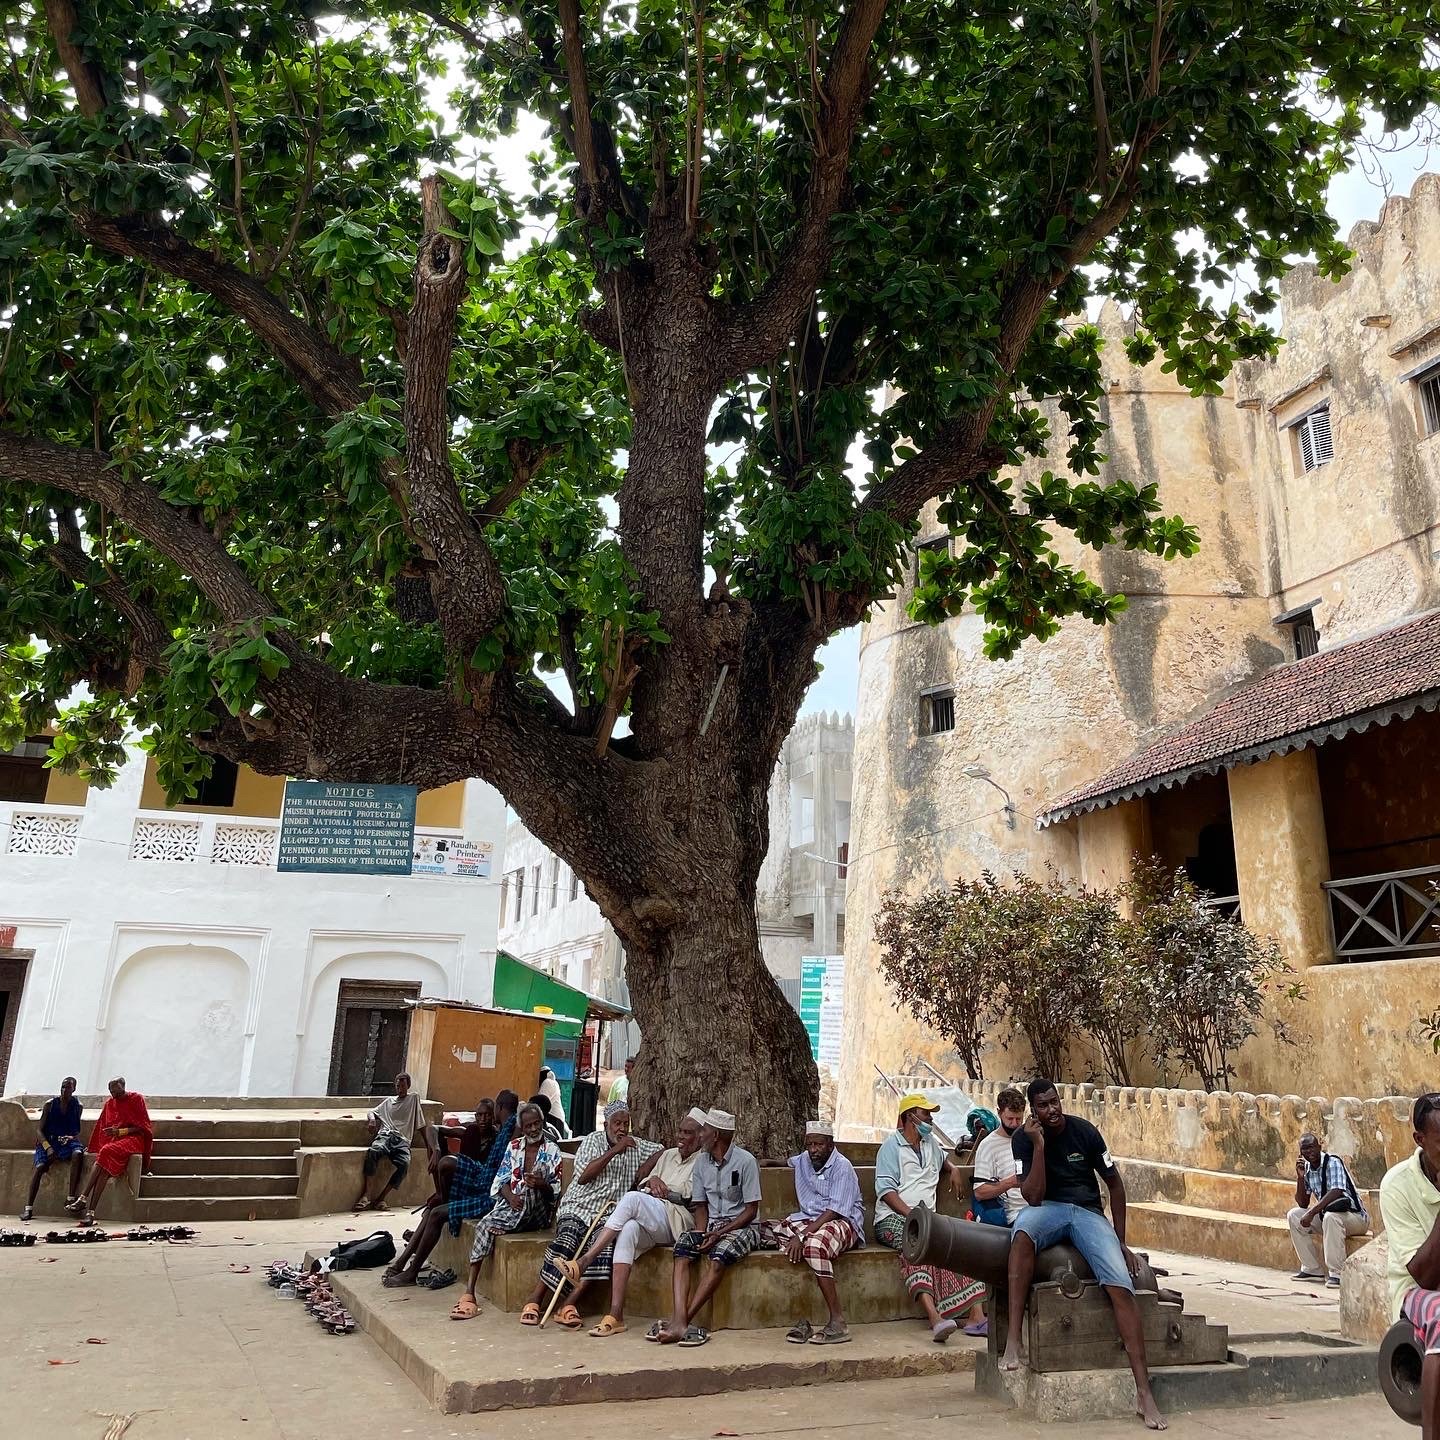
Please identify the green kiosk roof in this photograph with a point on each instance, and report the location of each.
(519, 986)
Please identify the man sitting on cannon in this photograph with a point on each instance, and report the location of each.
(1057, 1157)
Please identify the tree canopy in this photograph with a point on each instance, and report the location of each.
(319, 441)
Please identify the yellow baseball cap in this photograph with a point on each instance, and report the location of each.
(915, 1102)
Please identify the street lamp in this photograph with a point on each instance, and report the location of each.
(976, 771)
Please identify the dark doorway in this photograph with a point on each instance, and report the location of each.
(13, 967)
(372, 1035)
(23, 776)
(1212, 867)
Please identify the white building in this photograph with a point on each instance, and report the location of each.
(549, 921)
(159, 942)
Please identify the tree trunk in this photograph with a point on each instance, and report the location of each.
(717, 1031)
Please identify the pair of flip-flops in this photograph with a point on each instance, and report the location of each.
(436, 1279)
(695, 1335)
(804, 1333)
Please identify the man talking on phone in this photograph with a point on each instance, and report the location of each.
(1057, 1157)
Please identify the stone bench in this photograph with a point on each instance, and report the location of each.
(764, 1290)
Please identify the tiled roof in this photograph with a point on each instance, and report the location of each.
(1303, 702)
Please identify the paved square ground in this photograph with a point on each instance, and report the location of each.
(197, 1352)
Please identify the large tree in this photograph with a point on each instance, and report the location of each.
(310, 426)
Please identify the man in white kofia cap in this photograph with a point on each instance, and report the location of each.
(655, 1213)
(725, 1193)
(830, 1221)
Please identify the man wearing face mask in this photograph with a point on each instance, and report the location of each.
(997, 1197)
(907, 1173)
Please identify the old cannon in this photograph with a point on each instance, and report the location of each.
(1400, 1362)
(1069, 1323)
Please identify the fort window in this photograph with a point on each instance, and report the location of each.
(1313, 445)
(1427, 383)
(937, 712)
(1304, 634)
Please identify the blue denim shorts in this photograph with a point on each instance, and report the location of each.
(1090, 1233)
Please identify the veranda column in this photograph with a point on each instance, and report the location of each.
(1282, 855)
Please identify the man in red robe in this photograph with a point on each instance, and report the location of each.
(122, 1130)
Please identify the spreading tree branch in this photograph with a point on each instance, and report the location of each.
(93, 476)
(758, 330)
(465, 580)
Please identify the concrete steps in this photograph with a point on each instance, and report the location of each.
(222, 1169)
(167, 1147)
(175, 1187)
(1262, 1240)
(220, 1164)
(197, 1209)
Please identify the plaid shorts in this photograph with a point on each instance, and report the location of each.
(820, 1250)
(729, 1250)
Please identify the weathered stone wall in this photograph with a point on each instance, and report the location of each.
(1239, 1134)
(1055, 715)
(1358, 534)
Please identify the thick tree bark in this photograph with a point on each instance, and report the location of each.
(717, 1029)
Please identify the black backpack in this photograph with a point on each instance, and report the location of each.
(366, 1254)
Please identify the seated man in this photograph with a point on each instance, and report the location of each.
(1057, 1157)
(656, 1212)
(996, 1193)
(464, 1189)
(1325, 1192)
(57, 1139)
(472, 1138)
(725, 1193)
(607, 1164)
(123, 1130)
(830, 1221)
(1410, 1203)
(393, 1123)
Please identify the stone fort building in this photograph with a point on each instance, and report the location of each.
(1263, 714)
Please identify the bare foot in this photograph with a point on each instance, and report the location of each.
(396, 1279)
(667, 1336)
(1011, 1359)
(1149, 1412)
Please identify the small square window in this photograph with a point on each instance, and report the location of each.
(1312, 439)
(1428, 385)
(1304, 633)
(937, 711)
(218, 788)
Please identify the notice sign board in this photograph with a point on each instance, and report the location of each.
(347, 829)
(444, 855)
(822, 1004)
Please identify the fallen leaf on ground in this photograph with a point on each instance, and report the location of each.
(96, 1340)
(62, 1362)
(49, 1260)
(82, 1269)
(239, 1269)
(724, 1432)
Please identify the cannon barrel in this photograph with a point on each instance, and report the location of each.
(983, 1252)
(1400, 1361)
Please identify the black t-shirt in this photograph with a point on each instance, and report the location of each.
(1073, 1156)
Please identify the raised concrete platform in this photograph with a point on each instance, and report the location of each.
(490, 1363)
(1225, 1216)
(763, 1291)
(1261, 1370)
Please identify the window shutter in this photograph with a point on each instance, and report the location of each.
(1320, 433)
(1307, 449)
(1430, 401)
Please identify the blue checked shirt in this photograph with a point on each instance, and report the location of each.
(1331, 1174)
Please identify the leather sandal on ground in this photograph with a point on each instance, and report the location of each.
(439, 1279)
(465, 1309)
(832, 1335)
(800, 1332)
(653, 1333)
(568, 1318)
(530, 1314)
(609, 1326)
(695, 1335)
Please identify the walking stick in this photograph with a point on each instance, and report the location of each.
(580, 1250)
